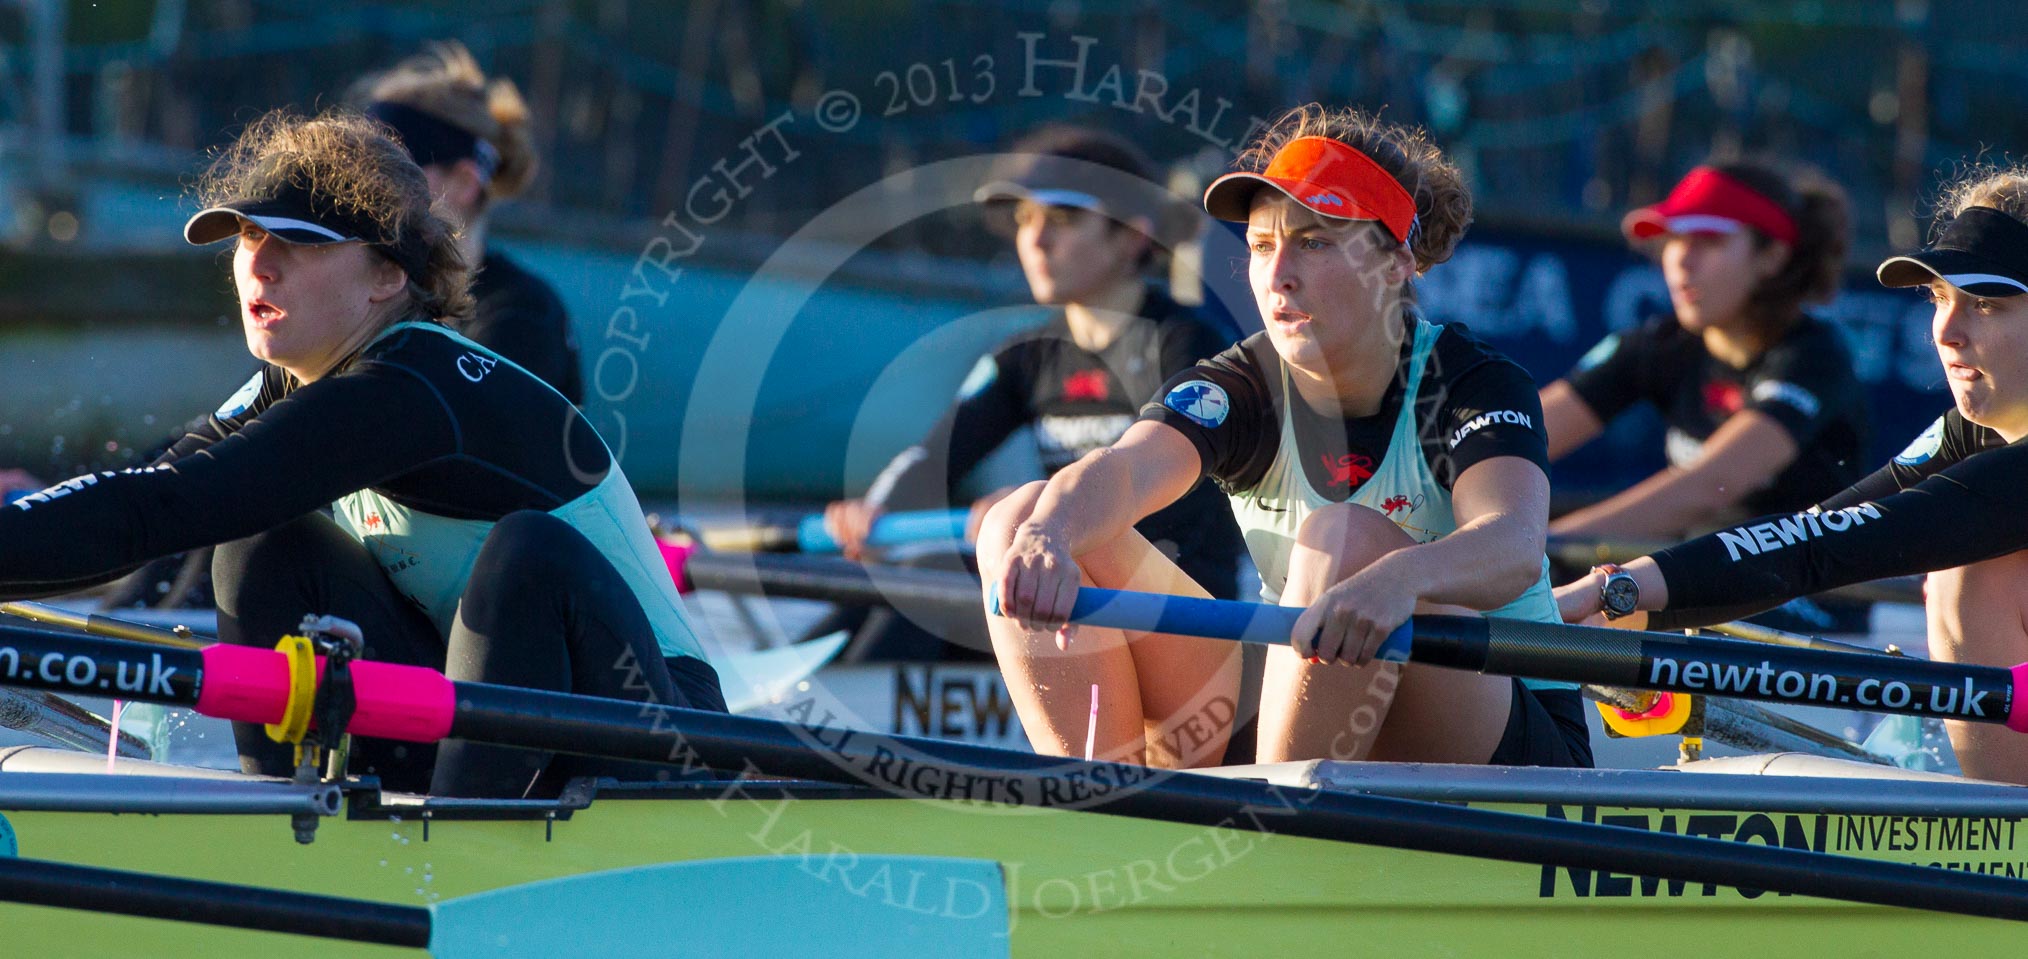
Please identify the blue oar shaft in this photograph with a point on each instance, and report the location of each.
(894, 529)
(1258, 623)
(1615, 657)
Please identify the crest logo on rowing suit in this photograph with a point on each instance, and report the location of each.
(1085, 385)
(243, 399)
(1350, 470)
(374, 523)
(475, 366)
(1924, 447)
(1401, 503)
(1202, 401)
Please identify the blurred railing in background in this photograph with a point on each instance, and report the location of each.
(1564, 113)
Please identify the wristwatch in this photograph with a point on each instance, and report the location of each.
(1619, 593)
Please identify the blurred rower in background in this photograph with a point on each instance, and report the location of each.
(1764, 412)
(470, 135)
(1088, 220)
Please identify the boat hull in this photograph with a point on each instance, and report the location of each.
(1075, 880)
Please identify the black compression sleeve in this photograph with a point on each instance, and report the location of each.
(327, 439)
(1962, 515)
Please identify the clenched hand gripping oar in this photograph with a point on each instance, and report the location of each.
(421, 705)
(1613, 657)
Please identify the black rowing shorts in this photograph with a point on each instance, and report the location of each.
(1545, 727)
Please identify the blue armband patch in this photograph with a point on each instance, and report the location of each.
(244, 399)
(982, 375)
(1600, 353)
(1203, 401)
(1924, 447)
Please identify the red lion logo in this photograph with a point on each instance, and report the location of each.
(1350, 469)
(1392, 503)
(1085, 385)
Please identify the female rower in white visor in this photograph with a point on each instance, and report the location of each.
(1378, 465)
(1949, 505)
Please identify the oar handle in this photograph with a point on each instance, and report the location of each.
(894, 529)
(1258, 623)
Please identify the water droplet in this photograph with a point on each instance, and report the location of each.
(408, 870)
(383, 862)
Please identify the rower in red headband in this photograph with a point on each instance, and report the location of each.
(1948, 506)
(1762, 408)
(1378, 464)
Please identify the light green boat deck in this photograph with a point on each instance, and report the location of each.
(1088, 884)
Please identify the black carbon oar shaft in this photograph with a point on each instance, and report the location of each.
(1698, 664)
(41, 883)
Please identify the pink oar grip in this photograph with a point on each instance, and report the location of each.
(2017, 708)
(411, 703)
(247, 684)
(677, 557)
(251, 685)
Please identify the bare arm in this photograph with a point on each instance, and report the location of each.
(1567, 419)
(1086, 504)
(1743, 456)
(1502, 509)
(1100, 496)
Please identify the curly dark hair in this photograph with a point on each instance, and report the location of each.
(350, 162)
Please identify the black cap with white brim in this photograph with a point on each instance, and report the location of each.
(288, 211)
(1983, 252)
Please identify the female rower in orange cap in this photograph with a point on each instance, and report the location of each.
(1764, 412)
(1377, 463)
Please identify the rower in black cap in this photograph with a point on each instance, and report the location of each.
(480, 525)
(470, 134)
(1949, 505)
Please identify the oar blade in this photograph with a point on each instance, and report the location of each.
(754, 679)
(846, 906)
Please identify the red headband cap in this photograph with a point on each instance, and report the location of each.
(1328, 178)
(1707, 201)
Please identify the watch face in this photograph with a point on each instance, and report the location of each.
(1621, 593)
